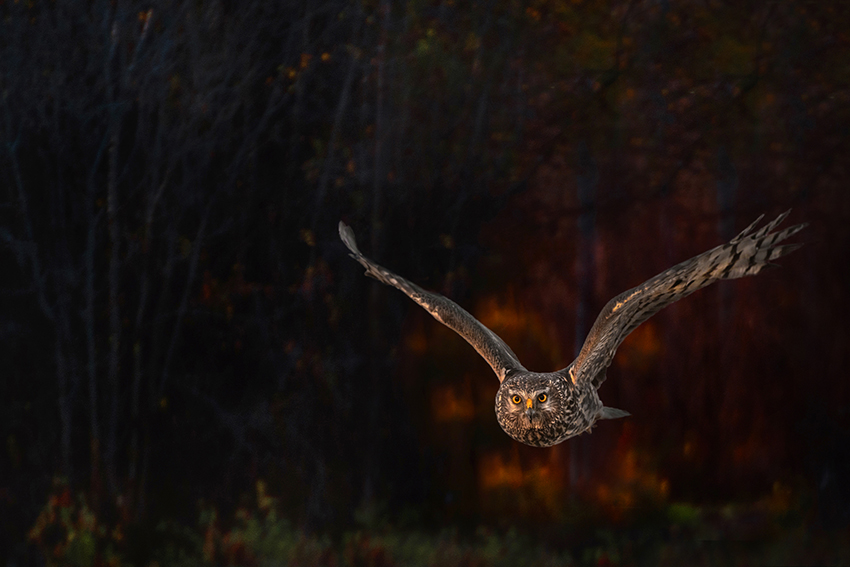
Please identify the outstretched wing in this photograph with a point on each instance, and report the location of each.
(745, 255)
(498, 355)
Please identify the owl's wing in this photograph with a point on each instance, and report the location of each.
(745, 255)
(495, 351)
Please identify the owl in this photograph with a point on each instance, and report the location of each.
(542, 409)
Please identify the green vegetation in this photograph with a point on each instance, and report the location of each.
(257, 534)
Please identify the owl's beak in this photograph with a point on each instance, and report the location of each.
(530, 412)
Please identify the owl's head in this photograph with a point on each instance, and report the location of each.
(537, 409)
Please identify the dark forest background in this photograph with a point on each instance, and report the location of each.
(193, 369)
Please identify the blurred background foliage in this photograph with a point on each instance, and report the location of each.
(194, 371)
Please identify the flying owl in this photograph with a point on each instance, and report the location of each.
(542, 409)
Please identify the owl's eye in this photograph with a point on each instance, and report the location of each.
(541, 398)
(516, 399)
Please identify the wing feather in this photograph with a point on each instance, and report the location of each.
(745, 255)
(495, 351)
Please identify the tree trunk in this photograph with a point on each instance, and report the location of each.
(727, 184)
(586, 182)
(375, 358)
(95, 485)
(64, 403)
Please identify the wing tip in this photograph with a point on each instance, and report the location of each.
(768, 228)
(784, 250)
(748, 230)
(347, 236)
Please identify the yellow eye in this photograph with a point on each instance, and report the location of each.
(541, 398)
(516, 399)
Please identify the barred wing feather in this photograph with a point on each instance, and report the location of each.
(745, 255)
(495, 351)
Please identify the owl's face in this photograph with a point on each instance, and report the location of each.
(538, 409)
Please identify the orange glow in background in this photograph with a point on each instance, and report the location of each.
(683, 374)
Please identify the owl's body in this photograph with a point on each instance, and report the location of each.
(544, 409)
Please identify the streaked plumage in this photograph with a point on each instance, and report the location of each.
(543, 409)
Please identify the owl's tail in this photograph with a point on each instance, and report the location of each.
(613, 413)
